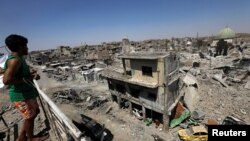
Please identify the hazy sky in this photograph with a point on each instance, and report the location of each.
(51, 23)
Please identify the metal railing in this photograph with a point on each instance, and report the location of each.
(57, 121)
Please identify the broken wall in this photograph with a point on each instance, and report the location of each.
(137, 74)
(150, 98)
(154, 104)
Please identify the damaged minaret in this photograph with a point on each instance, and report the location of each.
(126, 47)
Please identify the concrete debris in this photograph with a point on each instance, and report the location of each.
(247, 86)
(182, 71)
(137, 114)
(191, 97)
(195, 71)
(108, 109)
(197, 115)
(185, 69)
(96, 102)
(190, 80)
(218, 77)
(204, 76)
(66, 96)
(231, 120)
(88, 99)
(243, 111)
(184, 125)
(202, 56)
(137, 131)
(191, 91)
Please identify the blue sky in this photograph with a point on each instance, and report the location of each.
(51, 23)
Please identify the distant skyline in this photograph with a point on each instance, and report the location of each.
(51, 23)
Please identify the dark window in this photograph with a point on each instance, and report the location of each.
(111, 86)
(152, 96)
(135, 92)
(146, 71)
(120, 88)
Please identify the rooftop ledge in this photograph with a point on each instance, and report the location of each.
(144, 55)
(126, 78)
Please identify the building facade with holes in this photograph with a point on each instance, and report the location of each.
(149, 84)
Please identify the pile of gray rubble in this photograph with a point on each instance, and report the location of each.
(216, 88)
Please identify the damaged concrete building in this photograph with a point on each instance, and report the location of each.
(64, 51)
(39, 58)
(150, 85)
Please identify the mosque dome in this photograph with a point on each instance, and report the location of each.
(226, 33)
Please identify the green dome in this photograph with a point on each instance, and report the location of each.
(226, 33)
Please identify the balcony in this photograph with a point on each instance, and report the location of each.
(108, 73)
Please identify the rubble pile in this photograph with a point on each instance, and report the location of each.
(66, 96)
(92, 101)
(53, 73)
(85, 99)
(222, 85)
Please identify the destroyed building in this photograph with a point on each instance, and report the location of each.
(39, 58)
(150, 85)
(64, 51)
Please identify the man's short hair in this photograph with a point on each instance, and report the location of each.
(13, 42)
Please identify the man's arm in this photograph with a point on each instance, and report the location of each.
(9, 74)
(34, 74)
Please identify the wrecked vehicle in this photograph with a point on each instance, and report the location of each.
(194, 133)
(96, 131)
(230, 120)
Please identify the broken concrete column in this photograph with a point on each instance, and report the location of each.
(165, 121)
(144, 112)
(130, 108)
(119, 102)
(191, 96)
